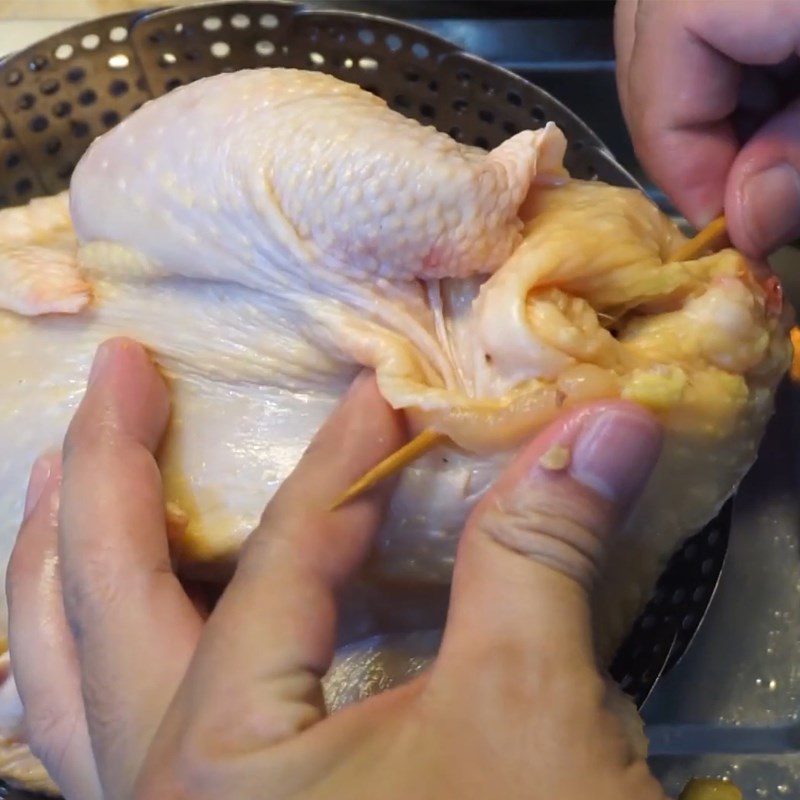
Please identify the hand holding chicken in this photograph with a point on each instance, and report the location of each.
(233, 706)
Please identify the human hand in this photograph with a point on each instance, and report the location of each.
(709, 90)
(130, 693)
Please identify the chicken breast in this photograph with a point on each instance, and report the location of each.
(268, 233)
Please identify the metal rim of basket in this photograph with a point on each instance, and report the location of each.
(63, 91)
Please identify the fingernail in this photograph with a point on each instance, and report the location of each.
(101, 359)
(706, 216)
(40, 474)
(771, 206)
(615, 454)
(363, 376)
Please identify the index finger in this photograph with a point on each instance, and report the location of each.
(134, 627)
(271, 637)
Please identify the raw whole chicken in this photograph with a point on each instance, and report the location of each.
(267, 233)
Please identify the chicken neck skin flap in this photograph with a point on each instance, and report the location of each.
(284, 229)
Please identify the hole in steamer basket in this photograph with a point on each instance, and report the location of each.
(49, 86)
(264, 47)
(220, 49)
(117, 88)
(394, 42)
(118, 61)
(63, 52)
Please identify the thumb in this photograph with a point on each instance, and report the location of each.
(531, 548)
(762, 197)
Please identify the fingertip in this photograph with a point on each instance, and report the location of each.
(578, 478)
(362, 431)
(625, 432)
(534, 545)
(121, 356)
(115, 350)
(762, 208)
(364, 426)
(615, 452)
(125, 394)
(691, 167)
(364, 396)
(364, 381)
(762, 195)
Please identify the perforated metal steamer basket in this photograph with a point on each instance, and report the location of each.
(60, 93)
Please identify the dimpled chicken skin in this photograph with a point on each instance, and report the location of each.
(268, 233)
